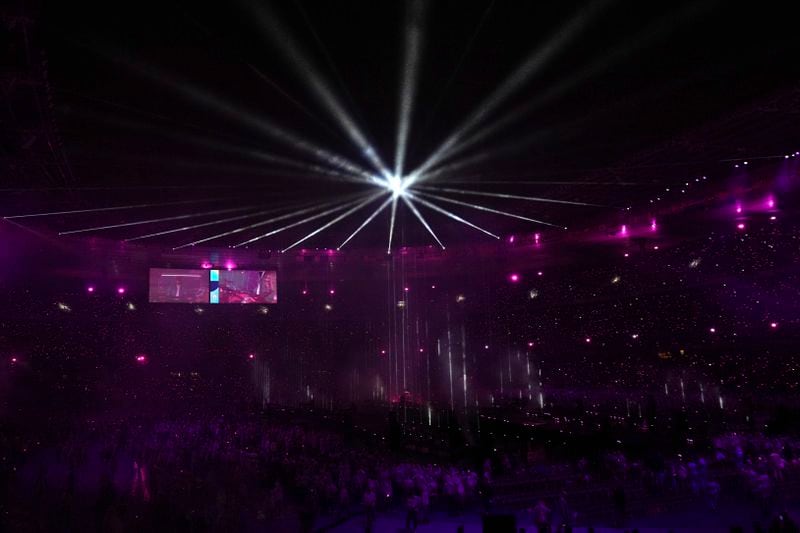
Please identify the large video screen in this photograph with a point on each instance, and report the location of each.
(247, 287)
(178, 285)
(213, 286)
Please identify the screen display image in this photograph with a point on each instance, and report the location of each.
(248, 287)
(173, 285)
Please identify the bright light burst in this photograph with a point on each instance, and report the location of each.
(423, 186)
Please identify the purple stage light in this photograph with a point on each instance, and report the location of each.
(738, 209)
(230, 265)
(771, 202)
(623, 230)
(653, 225)
(773, 325)
(536, 237)
(251, 356)
(588, 340)
(141, 359)
(90, 288)
(332, 292)
(206, 265)
(740, 225)
(405, 289)
(540, 273)
(712, 330)
(485, 346)
(120, 290)
(305, 291)
(433, 286)
(511, 240)
(530, 344)
(14, 360)
(626, 254)
(513, 278)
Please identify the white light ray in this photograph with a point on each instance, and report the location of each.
(334, 221)
(391, 223)
(532, 182)
(367, 221)
(532, 65)
(227, 146)
(451, 215)
(408, 85)
(156, 220)
(488, 209)
(298, 223)
(206, 224)
(663, 27)
(256, 225)
(421, 218)
(304, 67)
(510, 196)
(248, 118)
(116, 208)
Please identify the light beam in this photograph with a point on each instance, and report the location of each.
(534, 63)
(421, 218)
(298, 223)
(256, 225)
(334, 221)
(116, 208)
(367, 221)
(408, 85)
(156, 220)
(451, 215)
(510, 196)
(320, 88)
(489, 209)
(391, 223)
(206, 224)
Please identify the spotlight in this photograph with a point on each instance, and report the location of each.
(396, 185)
(90, 289)
(230, 265)
(206, 265)
(120, 290)
(251, 356)
(773, 325)
(141, 359)
(513, 278)
(740, 225)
